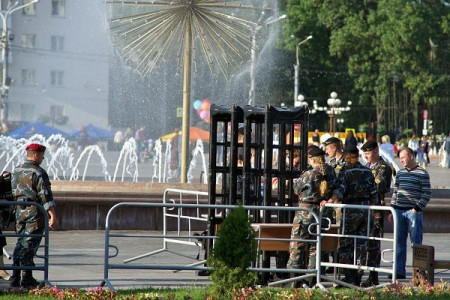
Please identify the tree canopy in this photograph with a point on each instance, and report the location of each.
(391, 55)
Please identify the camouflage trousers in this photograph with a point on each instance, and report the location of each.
(374, 247)
(302, 255)
(28, 221)
(355, 224)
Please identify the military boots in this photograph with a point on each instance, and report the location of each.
(28, 282)
(15, 279)
(372, 280)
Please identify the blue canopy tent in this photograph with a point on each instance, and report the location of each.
(31, 129)
(94, 133)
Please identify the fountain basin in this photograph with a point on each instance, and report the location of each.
(83, 205)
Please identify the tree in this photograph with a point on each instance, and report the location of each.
(394, 52)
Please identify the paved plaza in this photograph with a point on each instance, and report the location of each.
(76, 260)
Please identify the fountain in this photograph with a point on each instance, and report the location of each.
(146, 33)
(128, 153)
(61, 163)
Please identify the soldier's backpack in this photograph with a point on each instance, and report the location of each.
(7, 212)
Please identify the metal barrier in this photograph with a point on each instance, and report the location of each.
(166, 237)
(265, 242)
(355, 265)
(45, 235)
(179, 216)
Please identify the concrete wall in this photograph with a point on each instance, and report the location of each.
(84, 205)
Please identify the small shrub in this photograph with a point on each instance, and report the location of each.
(233, 253)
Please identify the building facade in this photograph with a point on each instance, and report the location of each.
(59, 53)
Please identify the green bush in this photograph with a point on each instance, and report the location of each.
(234, 251)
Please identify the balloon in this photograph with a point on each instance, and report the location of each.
(197, 104)
(205, 105)
(207, 100)
(199, 111)
(204, 115)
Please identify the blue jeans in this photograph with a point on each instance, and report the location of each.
(448, 158)
(408, 222)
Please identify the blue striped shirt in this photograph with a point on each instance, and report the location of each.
(412, 189)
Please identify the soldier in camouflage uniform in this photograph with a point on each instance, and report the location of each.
(312, 188)
(333, 148)
(382, 173)
(30, 183)
(356, 187)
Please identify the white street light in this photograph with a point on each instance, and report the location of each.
(4, 44)
(251, 92)
(297, 68)
(332, 110)
(300, 101)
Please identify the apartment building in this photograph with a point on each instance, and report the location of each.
(59, 54)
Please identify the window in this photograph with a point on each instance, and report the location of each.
(57, 43)
(56, 78)
(59, 8)
(26, 111)
(30, 9)
(28, 77)
(28, 40)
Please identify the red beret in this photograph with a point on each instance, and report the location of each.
(35, 147)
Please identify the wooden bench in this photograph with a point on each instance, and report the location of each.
(283, 231)
(424, 264)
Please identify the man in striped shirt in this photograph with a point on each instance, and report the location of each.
(412, 193)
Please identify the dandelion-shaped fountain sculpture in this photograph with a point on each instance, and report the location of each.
(145, 31)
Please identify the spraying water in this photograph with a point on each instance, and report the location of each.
(62, 164)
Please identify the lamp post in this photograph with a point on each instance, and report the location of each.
(4, 44)
(297, 68)
(340, 122)
(251, 92)
(334, 109)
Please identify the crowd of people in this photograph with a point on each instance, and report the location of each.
(421, 146)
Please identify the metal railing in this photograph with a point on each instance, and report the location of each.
(38, 267)
(165, 236)
(315, 229)
(180, 216)
(355, 265)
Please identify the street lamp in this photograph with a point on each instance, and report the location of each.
(251, 92)
(332, 110)
(297, 67)
(4, 44)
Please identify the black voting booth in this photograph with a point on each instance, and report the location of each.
(251, 159)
